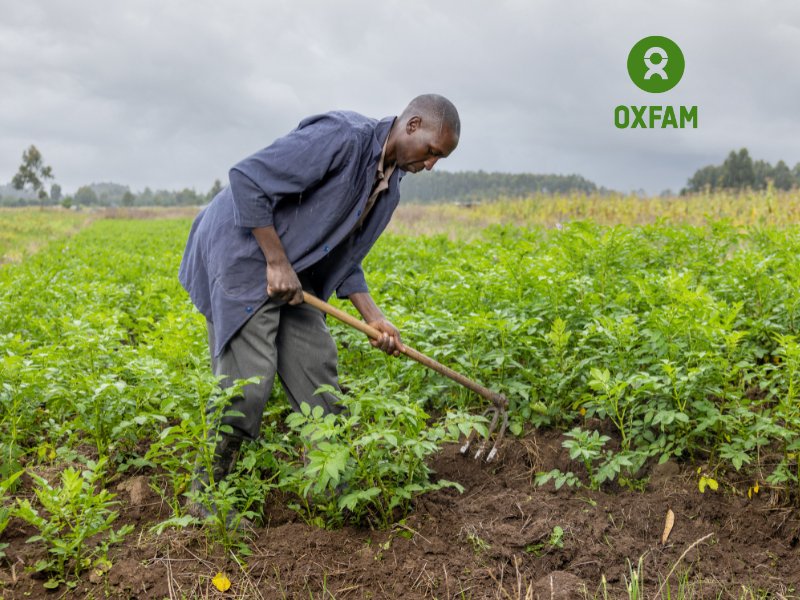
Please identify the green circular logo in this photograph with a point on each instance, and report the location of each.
(656, 64)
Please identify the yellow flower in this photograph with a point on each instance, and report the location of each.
(752, 490)
(221, 582)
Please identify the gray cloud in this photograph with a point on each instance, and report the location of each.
(171, 94)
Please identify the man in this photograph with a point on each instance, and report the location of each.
(299, 215)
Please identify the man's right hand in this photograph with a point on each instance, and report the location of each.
(283, 283)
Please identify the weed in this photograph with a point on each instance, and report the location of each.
(75, 513)
(554, 542)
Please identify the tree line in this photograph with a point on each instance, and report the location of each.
(740, 172)
(29, 186)
(478, 186)
(737, 172)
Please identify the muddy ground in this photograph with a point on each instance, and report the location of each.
(499, 539)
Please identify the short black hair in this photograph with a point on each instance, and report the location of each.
(436, 109)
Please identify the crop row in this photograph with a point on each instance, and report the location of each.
(679, 340)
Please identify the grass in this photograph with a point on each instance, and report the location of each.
(24, 231)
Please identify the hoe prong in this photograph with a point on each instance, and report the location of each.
(493, 452)
(499, 414)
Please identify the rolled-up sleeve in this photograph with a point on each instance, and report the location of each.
(354, 283)
(287, 168)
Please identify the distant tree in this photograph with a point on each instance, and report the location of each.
(215, 189)
(187, 197)
(782, 177)
(478, 186)
(146, 197)
(55, 193)
(128, 198)
(706, 178)
(86, 195)
(33, 172)
(762, 173)
(737, 171)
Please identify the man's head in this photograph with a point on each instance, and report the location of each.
(427, 130)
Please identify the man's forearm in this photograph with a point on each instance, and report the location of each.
(366, 306)
(282, 281)
(270, 245)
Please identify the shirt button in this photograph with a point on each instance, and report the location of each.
(358, 214)
(327, 249)
(249, 309)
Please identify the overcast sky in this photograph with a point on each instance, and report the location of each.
(169, 94)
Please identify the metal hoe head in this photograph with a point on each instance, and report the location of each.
(499, 414)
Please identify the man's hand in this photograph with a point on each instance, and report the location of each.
(283, 283)
(389, 341)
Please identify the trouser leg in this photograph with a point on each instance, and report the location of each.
(307, 357)
(292, 341)
(252, 352)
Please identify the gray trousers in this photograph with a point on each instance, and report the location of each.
(291, 341)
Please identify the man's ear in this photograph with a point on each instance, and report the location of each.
(413, 124)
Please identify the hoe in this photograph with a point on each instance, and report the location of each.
(498, 410)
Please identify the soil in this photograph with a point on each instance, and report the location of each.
(499, 539)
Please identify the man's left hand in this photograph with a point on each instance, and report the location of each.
(389, 341)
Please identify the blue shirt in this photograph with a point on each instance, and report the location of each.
(312, 185)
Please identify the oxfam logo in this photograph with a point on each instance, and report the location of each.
(656, 64)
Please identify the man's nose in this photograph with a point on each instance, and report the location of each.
(430, 162)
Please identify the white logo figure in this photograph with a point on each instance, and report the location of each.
(658, 68)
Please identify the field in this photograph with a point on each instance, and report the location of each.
(648, 349)
(23, 232)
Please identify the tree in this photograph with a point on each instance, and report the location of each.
(737, 171)
(782, 177)
(85, 195)
(705, 178)
(762, 173)
(215, 189)
(33, 172)
(55, 193)
(128, 198)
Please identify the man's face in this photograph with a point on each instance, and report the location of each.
(421, 145)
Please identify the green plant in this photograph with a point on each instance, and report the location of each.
(554, 542)
(183, 448)
(587, 447)
(76, 524)
(476, 541)
(5, 510)
(559, 478)
(366, 464)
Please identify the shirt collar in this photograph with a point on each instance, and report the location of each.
(381, 174)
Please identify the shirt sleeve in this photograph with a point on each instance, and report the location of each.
(354, 283)
(287, 168)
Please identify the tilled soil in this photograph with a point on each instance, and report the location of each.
(499, 539)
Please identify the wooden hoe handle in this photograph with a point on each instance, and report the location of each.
(497, 399)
